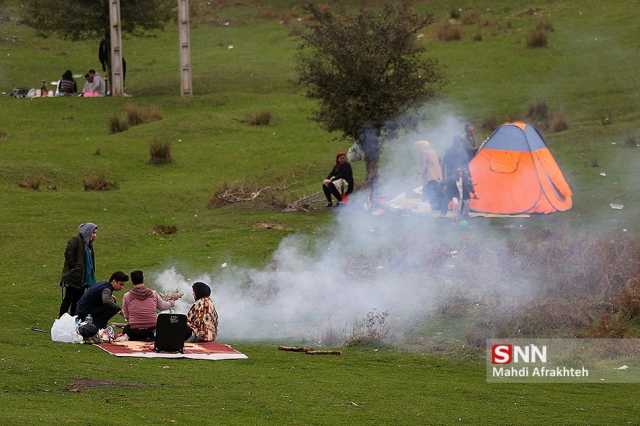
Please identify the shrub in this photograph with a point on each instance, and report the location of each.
(449, 32)
(98, 182)
(160, 153)
(536, 39)
(165, 229)
(477, 37)
(118, 124)
(35, 183)
(538, 112)
(262, 118)
(455, 13)
(470, 18)
(3, 135)
(370, 331)
(490, 123)
(558, 122)
(544, 25)
(141, 114)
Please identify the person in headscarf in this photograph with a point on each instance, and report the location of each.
(339, 181)
(79, 271)
(202, 318)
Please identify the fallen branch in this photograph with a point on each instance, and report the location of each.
(294, 348)
(323, 352)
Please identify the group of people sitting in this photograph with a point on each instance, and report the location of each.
(94, 85)
(85, 297)
(447, 185)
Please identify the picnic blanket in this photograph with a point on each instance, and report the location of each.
(207, 350)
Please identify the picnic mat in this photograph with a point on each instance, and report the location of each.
(206, 350)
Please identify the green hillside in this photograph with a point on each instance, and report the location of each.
(588, 72)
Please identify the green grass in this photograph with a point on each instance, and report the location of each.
(589, 70)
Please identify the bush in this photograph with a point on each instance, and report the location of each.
(35, 183)
(449, 32)
(118, 124)
(98, 182)
(141, 114)
(539, 112)
(477, 37)
(160, 153)
(536, 39)
(165, 229)
(558, 122)
(370, 331)
(262, 118)
(470, 18)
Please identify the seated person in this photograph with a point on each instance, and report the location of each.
(339, 181)
(94, 85)
(98, 300)
(67, 85)
(140, 306)
(202, 318)
(458, 191)
(431, 174)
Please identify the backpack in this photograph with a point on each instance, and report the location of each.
(171, 331)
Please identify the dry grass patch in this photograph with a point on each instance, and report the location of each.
(3, 136)
(37, 182)
(160, 153)
(558, 122)
(449, 32)
(262, 118)
(98, 182)
(137, 114)
(470, 18)
(165, 230)
(537, 39)
(118, 124)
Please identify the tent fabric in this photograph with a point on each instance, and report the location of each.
(515, 173)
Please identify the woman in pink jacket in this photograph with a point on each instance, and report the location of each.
(140, 308)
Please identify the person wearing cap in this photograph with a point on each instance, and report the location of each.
(98, 301)
(202, 318)
(140, 307)
(79, 270)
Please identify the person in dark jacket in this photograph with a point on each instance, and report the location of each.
(99, 301)
(339, 181)
(79, 269)
(458, 191)
(458, 155)
(67, 85)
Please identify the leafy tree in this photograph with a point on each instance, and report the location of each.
(366, 69)
(82, 19)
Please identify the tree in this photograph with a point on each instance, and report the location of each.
(83, 19)
(366, 70)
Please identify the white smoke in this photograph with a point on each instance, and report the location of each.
(401, 264)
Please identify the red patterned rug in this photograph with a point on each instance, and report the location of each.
(207, 350)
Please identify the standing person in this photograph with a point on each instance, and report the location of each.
(202, 318)
(339, 181)
(67, 85)
(470, 136)
(459, 154)
(79, 270)
(431, 173)
(140, 307)
(98, 301)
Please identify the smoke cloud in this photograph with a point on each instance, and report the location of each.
(403, 264)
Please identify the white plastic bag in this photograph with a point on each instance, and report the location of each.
(65, 330)
(355, 153)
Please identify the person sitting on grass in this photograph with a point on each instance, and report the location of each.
(458, 191)
(339, 181)
(140, 306)
(98, 300)
(202, 318)
(67, 85)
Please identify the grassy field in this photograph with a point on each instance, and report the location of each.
(588, 71)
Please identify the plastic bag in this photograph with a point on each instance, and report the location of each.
(355, 153)
(65, 330)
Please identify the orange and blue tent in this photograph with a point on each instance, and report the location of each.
(515, 173)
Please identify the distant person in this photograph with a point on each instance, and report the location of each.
(98, 301)
(104, 56)
(459, 154)
(202, 318)
(79, 271)
(140, 307)
(431, 173)
(470, 136)
(459, 190)
(339, 181)
(67, 85)
(94, 85)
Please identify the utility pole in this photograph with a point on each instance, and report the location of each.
(117, 83)
(184, 30)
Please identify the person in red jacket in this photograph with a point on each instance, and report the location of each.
(140, 307)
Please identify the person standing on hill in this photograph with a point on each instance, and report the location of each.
(339, 181)
(79, 270)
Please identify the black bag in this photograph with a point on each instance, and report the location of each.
(170, 333)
